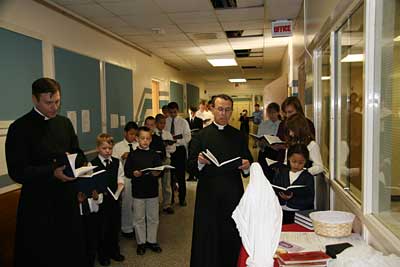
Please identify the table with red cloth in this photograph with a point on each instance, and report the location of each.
(285, 228)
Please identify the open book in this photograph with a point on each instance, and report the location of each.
(71, 171)
(117, 193)
(169, 142)
(215, 161)
(288, 189)
(158, 168)
(271, 139)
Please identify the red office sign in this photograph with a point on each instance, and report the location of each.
(281, 28)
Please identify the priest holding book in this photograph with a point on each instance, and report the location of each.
(216, 241)
(49, 230)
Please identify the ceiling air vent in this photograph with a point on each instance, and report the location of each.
(242, 52)
(249, 67)
(254, 79)
(224, 3)
(204, 36)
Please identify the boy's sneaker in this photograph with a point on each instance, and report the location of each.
(141, 249)
(155, 247)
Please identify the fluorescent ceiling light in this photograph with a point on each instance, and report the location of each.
(353, 58)
(397, 39)
(325, 78)
(222, 62)
(237, 80)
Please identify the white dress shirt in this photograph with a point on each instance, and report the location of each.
(315, 156)
(165, 135)
(122, 147)
(181, 127)
(204, 116)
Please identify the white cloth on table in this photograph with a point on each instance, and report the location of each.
(258, 218)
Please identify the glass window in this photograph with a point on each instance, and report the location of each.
(349, 64)
(387, 55)
(325, 103)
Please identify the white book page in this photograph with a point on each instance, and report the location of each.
(229, 161)
(272, 139)
(117, 193)
(84, 170)
(211, 157)
(292, 186)
(270, 161)
(91, 174)
(71, 160)
(158, 168)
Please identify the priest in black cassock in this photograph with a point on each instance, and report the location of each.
(216, 241)
(48, 223)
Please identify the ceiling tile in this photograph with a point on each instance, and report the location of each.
(71, 2)
(213, 49)
(124, 8)
(283, 9)
(184, 6)
(242, 25)
(200, 27)
(235, 14)
(249, 3)
(147, 22)
(247, 42)
(178, 44)
(89, 10)
(193, 17)
(109, 22)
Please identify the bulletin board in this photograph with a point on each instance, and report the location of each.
(176, 94)
(119, 99)
(79, 77)
(193, 95)
(20, 65)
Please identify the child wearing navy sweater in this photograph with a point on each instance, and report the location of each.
(144, 191)
(293, 174)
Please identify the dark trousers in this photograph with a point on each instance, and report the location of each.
(178, 160)
(91, 225)
(288, 217)
(110, 212)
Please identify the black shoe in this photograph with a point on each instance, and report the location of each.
(169, 210)
(141, 249)
(183, 203)
(105, 262)
(155, 247)
(130, 235)
(118, 257)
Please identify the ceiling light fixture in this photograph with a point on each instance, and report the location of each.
(325, 78)
(222, 62)
(397, 39)
(237, 80)
(353, 58)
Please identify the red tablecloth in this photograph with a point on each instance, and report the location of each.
(285, 228)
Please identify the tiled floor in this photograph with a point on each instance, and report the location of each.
(175, 237)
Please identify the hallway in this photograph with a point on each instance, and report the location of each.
(175, 237)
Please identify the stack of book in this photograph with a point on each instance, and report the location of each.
(302, 218)
(297, 259)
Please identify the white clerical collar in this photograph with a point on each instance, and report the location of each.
(45, 118)
(220, 127)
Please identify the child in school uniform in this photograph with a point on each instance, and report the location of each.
(170, 148)
(121, 151)
(144, 192)
(293, 173)
(110, 208)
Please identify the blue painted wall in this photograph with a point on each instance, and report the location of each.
(79, 77)
(119, 96)
(20, 65)
(193, 95)
(176, 94)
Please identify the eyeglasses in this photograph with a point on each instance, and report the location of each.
(221, 109)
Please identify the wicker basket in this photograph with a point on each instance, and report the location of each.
(332, 223)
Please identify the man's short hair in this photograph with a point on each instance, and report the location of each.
(222, 96)
(104, 138)
(159, 117)
(144, 129)
(257, 105)
(130, 125)
(164, 107)
(173, 105)
(45, 85)
(193, 109)
(149, 118)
